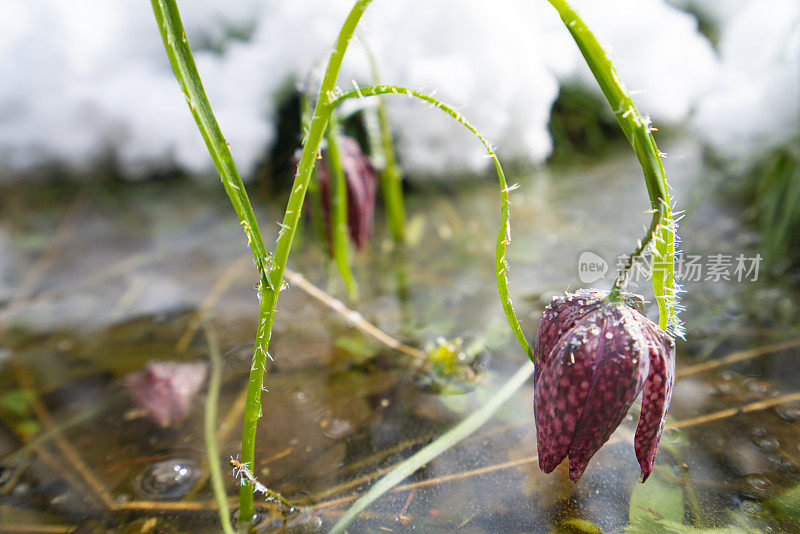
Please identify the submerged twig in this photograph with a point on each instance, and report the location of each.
(738, 357)
(63, 445)
(55, 430)
(696, 421)
(686, 423)
(730, 412)
(352, 317)
(38, 529)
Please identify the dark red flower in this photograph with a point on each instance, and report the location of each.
(593, 357)
(361, 189)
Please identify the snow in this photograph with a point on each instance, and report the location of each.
(755, 103)
(80, 80)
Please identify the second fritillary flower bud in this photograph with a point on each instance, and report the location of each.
(361, 190)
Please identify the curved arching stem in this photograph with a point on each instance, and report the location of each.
(638, 131)
(621, 279)
(271, 269)
(504, 232)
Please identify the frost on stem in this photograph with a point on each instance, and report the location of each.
(244, 475)
(660, 244)
(672, 289)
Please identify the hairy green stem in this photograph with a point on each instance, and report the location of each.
(183, 65)
(180, 57)
(391, 179)
(44, 437)
(638, 131)
(271, 270)
(504, 232)
(338, 214)
(622, 276)
(313, 191)
(269, 302)
(210, 428)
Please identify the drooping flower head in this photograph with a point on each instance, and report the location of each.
(362, 186)
(593, 357)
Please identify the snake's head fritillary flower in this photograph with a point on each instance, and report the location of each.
(558, 317)
(165, 390)
(361, 179)
(593, 357)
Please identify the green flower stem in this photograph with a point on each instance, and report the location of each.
(615, 295)
(180, 57)
(338, 215)
(441, 444)
(271, 271)
(391, 179)
(639, 134)
(390, 175)
(313, 192)
(269, 301)
(183, 65)
(504, 233)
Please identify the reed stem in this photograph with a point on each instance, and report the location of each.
(210, 428)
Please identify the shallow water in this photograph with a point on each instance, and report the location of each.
(96, 281)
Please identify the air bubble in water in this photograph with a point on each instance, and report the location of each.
(166, 480)
(788, 413)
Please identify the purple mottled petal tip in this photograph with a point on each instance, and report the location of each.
(655, 399)
(560, 394)
(361, 190)
(616, 383)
